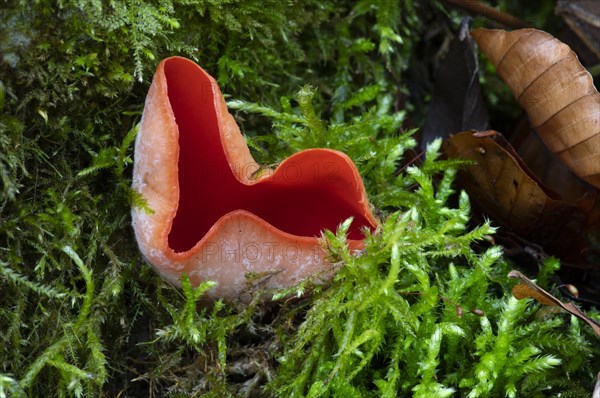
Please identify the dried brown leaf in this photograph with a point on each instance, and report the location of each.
(528, 289)
(504, 187)
(555, 90)
(501, 183)
(457, 103)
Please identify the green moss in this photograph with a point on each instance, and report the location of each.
(81, 314)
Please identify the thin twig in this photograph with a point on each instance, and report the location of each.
(490, 12)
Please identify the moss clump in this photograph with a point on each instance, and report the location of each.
(81, 314)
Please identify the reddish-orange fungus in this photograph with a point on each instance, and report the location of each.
(214, 214)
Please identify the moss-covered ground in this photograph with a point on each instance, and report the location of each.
(426, 311)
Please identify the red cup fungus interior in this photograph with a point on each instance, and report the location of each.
(303, 198)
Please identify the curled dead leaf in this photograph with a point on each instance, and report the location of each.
(555, 90)
(457, 103)
(505, 188)
(547, 168)
(528, 289)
